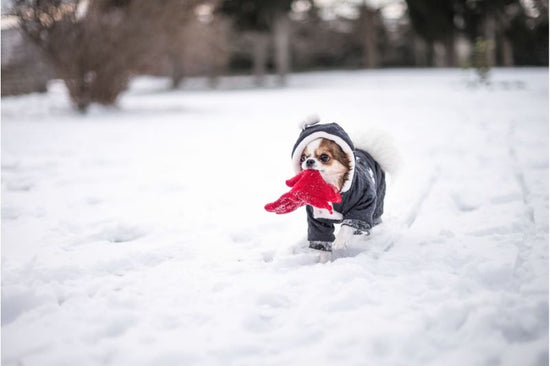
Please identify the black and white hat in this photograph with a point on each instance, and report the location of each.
(311, 130)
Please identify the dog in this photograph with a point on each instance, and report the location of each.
(358, 176)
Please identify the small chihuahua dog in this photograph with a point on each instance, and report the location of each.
(357, 175)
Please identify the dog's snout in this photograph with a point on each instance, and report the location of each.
(310, 163)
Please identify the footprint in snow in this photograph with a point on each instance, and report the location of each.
(120, 233)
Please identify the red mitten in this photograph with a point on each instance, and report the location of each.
(308, 188)
(287, 203)
(292, 181)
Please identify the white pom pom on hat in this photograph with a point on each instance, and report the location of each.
(309, 121)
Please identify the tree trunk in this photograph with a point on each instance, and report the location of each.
(450, 51)
(214, 76)
(430, 54)
(490, 30)
(260, 47)
(420, 50)
(439, 54)
(369, 18)
(282, 47)
(507, 52)
(177, 71)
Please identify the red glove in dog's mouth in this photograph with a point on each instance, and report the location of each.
(308, 188)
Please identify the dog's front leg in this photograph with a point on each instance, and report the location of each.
(343, 237)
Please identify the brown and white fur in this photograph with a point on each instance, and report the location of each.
(329, 159)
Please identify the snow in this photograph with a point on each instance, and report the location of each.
(137, 235)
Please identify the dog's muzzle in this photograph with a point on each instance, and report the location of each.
(310, 163)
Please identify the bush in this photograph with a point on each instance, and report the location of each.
(94, 46)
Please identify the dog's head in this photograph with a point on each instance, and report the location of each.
(328, 158)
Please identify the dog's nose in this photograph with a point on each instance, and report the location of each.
(310, 163)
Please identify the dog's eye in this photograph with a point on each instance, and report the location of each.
(303, 158)
(324, 158)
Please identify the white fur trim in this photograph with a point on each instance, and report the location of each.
(309, 121)
(321, 213)
(345, 147)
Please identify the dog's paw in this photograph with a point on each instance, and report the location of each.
(339, 245)
(325, 257)
(345, 234)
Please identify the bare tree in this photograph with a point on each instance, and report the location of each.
(205, 50)
(95, 45)
(370, 23)
(175, 25)
(281, 33)
(201, 46)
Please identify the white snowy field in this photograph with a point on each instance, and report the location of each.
(137, 235)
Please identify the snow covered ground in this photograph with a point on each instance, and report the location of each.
(137, 235)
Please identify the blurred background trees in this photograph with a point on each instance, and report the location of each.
(97, 46)
(258, 20)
